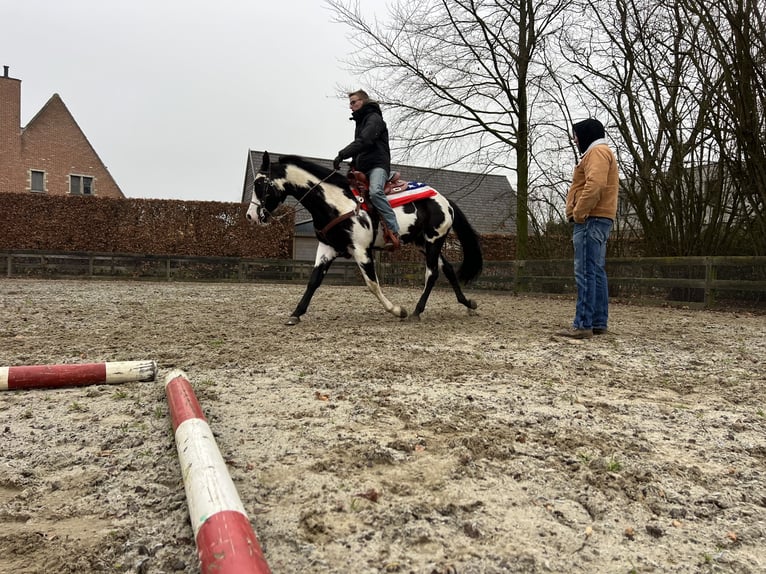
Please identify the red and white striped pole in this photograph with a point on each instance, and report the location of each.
(226, 543)
(49, 376)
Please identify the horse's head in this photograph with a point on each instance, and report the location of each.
(267, 195)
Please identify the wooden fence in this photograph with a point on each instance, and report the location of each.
(701, 281)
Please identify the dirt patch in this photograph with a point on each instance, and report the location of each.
(360, 443)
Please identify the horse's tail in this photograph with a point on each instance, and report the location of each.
(473, 261)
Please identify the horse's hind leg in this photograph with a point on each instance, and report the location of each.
(432, 274)
(449, 273)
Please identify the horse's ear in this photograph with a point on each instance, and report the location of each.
(265, 162)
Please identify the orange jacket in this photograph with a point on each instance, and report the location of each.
(595, 182)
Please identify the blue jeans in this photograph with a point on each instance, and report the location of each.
(377, 178)
(589, 239)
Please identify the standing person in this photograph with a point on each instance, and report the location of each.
(592, 207)
(370, 154)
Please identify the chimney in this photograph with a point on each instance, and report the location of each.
(10, 112)
(11, 178)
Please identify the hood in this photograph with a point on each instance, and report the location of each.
(368, 108)
(587, 132)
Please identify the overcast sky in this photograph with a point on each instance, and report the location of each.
(173, 93)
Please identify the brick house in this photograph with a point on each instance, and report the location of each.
(488, 201)
(51, 154)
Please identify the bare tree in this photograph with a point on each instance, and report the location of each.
(737, 33)
(660, 70)
(466, 80)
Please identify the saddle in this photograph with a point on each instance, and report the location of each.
(394, 184)
(358, 181)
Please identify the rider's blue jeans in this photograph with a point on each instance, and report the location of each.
(589, 239)
(377, 178)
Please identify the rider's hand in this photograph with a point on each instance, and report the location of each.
(336, 163)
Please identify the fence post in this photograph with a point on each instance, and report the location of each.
(517, 267)
(711, 273)
(380, 268)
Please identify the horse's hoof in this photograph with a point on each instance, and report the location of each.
(399, 312)
(293, 320)
(472, 304)
(415, 317)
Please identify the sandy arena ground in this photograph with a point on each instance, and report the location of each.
(363, 444)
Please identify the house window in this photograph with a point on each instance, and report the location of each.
(80, 185)
(37, 180)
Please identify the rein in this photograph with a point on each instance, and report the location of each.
(300, 200)
(317, 184)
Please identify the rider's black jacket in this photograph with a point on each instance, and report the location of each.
(370, 147)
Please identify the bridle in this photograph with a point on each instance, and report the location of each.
(271, 188)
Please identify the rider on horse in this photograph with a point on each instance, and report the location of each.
(371, 155)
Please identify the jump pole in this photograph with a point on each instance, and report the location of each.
(226, 543)
(50, 376)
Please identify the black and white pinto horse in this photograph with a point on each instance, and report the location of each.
(345, 228)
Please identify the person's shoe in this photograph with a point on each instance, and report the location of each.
(600, 330)
(573, 333)
(392, 242)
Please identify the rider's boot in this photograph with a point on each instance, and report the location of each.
(391, 240)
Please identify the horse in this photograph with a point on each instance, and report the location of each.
(346, 227)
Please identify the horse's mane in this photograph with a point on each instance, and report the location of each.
(319, 171)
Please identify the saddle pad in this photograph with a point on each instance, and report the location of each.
(415, 190)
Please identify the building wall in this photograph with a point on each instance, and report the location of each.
(52, 143)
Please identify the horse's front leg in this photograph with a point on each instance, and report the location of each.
(367, 266)
(324, 258)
